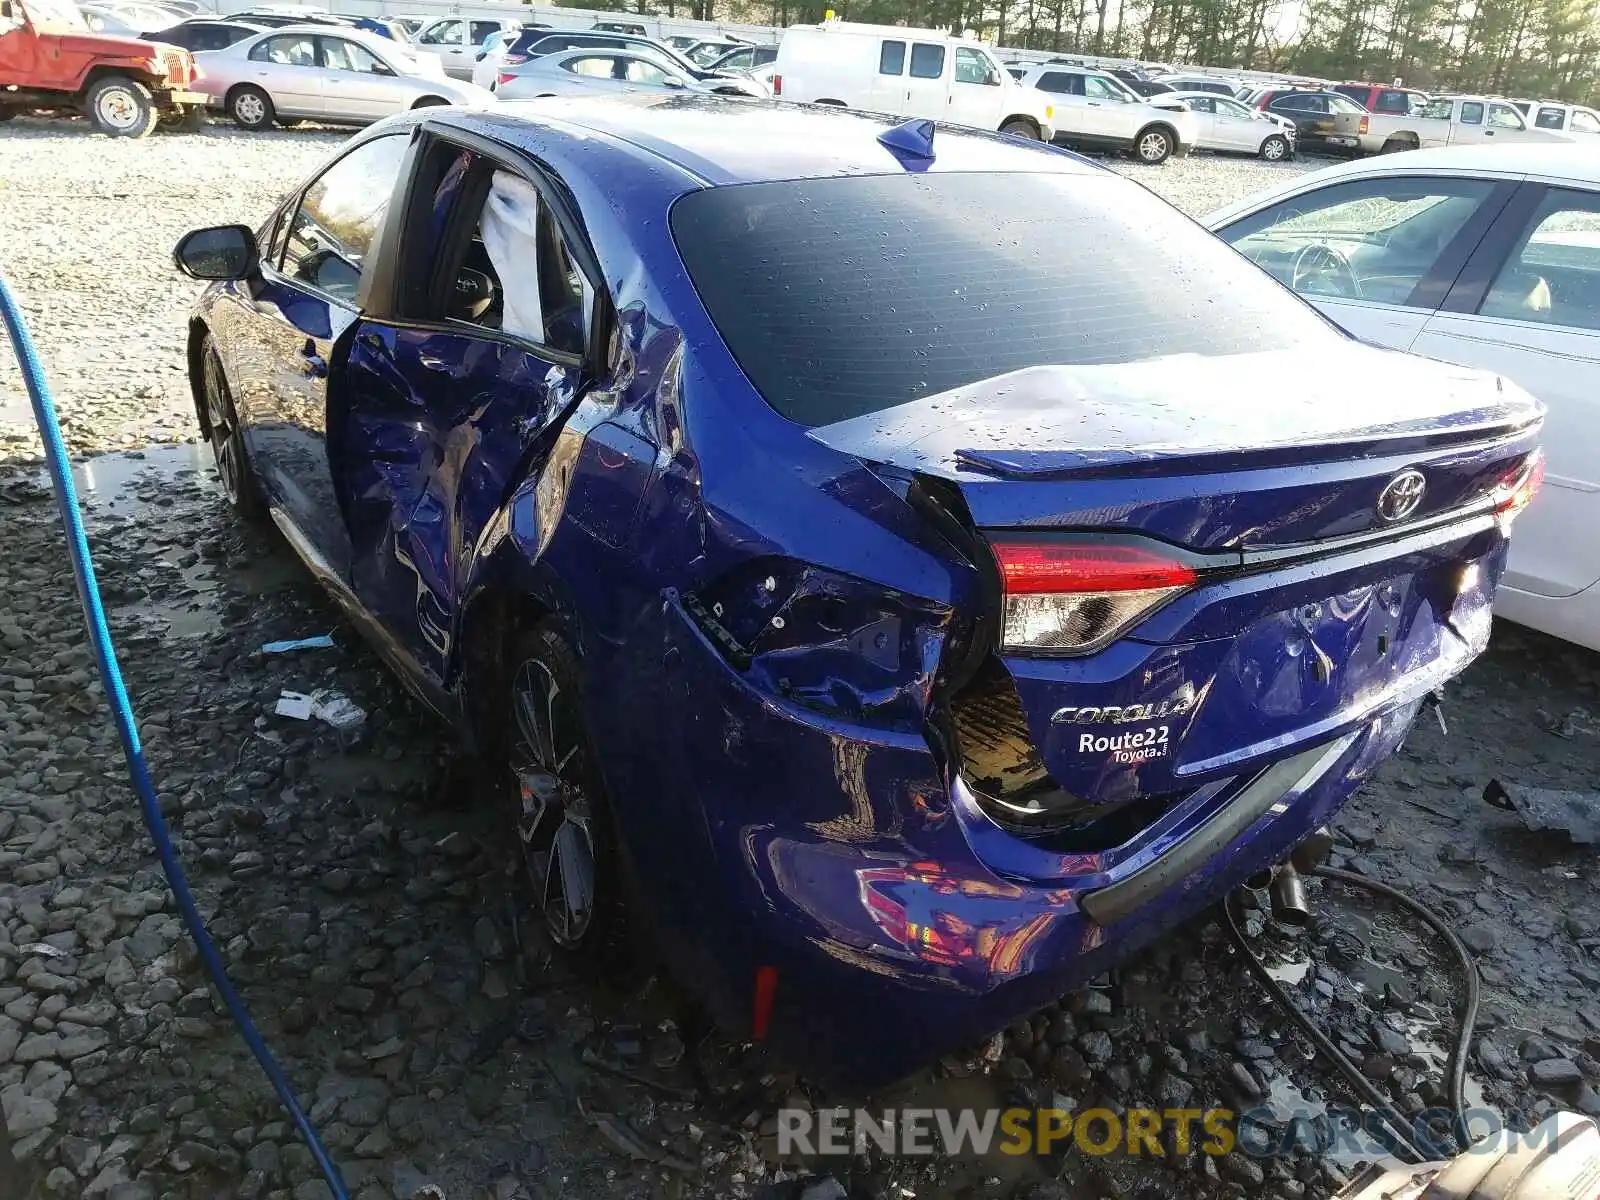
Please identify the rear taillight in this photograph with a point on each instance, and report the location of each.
(1075, 597)
(506, 78)
(1517, 490)
(1365, 124)
(777, 85)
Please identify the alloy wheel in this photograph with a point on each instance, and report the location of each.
(249, 109)
(226, 445)
(1274, 149)
(554, 813)
(1153, 147)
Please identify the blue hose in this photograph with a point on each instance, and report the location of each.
(44, 413)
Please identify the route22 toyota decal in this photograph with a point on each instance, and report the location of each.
(1134, 745)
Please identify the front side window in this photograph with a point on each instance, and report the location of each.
(1503, 116)
(339, 216)
(638, 70)
(1584, 121)
(1472, 112)
(892, 58)
(1097, 87)
(973, 66)
(1370, 239)
(291, 50)
(968, 285)
(1553, 277)
(1203, 104)
(1232, 108)
(445, 33)
(927, 61)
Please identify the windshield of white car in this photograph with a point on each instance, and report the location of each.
(845, 296)
(54, 14)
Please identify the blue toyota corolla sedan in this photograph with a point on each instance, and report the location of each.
(904, 568)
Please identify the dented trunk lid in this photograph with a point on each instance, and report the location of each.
(1310, 611)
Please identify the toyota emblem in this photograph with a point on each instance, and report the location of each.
(1401, 495)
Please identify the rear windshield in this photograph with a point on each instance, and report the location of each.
(842, 297)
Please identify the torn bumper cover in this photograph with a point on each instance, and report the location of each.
(902, 922)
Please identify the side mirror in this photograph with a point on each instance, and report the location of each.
(481, 55)
(220, 252)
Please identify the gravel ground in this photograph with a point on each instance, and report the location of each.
(362, 904)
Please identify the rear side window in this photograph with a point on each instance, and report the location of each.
(1584, 121)
(927, 62)
(1062, 83)
(483, 30)
(892, 59)
(842, 297)
(1392, 102)
(1550, 118)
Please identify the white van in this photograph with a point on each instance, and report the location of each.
(907, 72)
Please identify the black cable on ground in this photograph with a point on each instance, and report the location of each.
(1456, 1073)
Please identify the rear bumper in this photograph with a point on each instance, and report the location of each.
(901, 920)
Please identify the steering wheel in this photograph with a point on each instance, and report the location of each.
(1327, 264)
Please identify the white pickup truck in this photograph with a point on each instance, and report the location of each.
(1443, 121)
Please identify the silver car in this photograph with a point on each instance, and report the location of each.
(324, 73)
(581, 72)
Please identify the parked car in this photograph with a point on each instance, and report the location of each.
(632, 28)
(1443, 121)
(678, 41)
(1562, 118)
(1486, 256)
(1214, 84)
(1228, 126)
(892, 726)
(913, 73)
(531, 44)
(411, 24)
(123, 20)
(274, 18)
(1390, 101)
(202, 34)
(457, 40)
(745, 58)
(1315, 115)
(50, 59)
(1149, 87)
(704, 53)
(383, 27)
(313, 72)
(586, 72)
(490, 58)
(1094, 110)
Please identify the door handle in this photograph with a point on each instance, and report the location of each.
(316, 365)
(1093, 104)
(1488, 133)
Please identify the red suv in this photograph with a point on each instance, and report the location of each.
(50, 59)
(1391, 101)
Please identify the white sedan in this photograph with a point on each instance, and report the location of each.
(1484, 256)
(326, 73)
(1233, 128)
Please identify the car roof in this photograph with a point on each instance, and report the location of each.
(728, 141)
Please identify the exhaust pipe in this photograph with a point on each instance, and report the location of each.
(1288, 896)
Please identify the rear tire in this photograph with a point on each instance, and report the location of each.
(1396, 146)
(1275, 148)
(1154, 145)
(1019, 128)
(121, 107)
(430, 102)
(561, 820)
(251, 108)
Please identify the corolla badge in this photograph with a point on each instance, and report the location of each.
(1181, 701)
(1401, 495)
